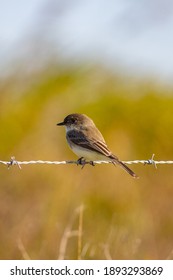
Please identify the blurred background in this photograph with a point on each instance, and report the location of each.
(111, 60)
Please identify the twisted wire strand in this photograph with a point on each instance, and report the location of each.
(151, 161)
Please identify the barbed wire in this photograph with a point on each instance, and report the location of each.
(151, 161)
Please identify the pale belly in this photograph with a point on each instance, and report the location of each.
(88, 155)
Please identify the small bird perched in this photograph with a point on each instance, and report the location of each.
(87, 142)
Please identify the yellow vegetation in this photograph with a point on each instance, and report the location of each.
(51, 212)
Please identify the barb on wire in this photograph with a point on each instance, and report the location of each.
(12, 162)
(151, 161)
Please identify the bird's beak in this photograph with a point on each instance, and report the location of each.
(61, 123)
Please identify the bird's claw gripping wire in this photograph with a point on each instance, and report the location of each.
(83, 162)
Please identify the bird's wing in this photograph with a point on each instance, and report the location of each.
(95, 144)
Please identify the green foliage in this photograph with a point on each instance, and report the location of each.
(123, 218)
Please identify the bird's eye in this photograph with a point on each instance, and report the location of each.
(73, 120)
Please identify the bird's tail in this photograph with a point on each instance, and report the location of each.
(125, 167)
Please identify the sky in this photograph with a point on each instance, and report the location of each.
(134, 35)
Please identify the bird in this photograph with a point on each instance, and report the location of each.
(87, 142)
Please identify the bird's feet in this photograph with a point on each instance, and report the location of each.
(82, 161)
(92, 162)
